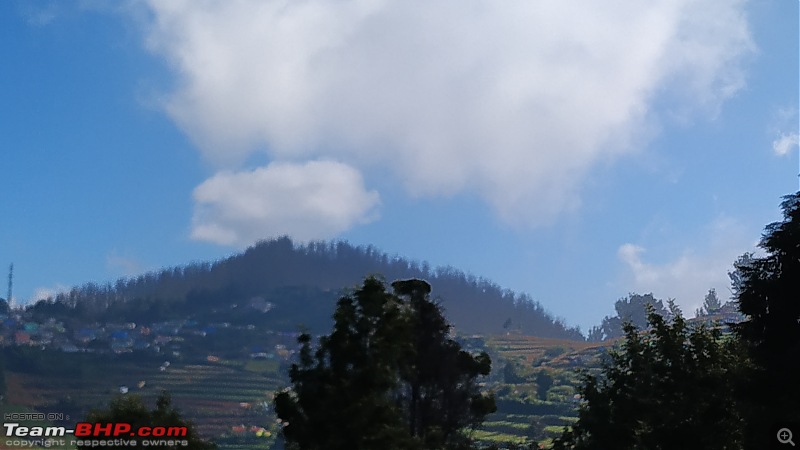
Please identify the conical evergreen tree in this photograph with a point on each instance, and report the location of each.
(768, 294)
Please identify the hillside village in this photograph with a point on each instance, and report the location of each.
(171, 338)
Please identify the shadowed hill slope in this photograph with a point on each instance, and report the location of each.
(285, 285)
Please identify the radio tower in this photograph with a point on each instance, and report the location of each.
(10, 283)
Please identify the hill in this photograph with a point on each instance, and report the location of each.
(285, 286)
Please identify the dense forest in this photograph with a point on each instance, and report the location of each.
(287, 286)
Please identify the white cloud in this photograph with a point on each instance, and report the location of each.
(785, 143)
(784, 119)
(315, 200)
(688, 277)
(511, 100)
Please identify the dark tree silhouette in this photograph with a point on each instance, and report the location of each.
(3, 386)
(388, 376)
(441, 396)
(711, 304)
(670, 387)
(131, 410)
(768, 293)
(632, 309)
(543, 384)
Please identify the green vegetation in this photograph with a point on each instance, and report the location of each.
(676, 386)
(227, 399)
(543, 384)
(216, 397)
(669, 387)
(632, 309)
(388, 376)
(280, 285)
(711, 304)
(132, 411)
(768, 291)
(3, 386)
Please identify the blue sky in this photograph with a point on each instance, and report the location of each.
(573, 151)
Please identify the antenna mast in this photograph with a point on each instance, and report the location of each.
(10, 283)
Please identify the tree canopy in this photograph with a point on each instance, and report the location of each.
(674, 386)
(302, 281)
(767, 290)
(388, 376)
(632, 309)
(131, 409)
(711, 304)
(665, 388)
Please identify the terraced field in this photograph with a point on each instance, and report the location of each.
(534, 349)
(524, 414)
(227, 401)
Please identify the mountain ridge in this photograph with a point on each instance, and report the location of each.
(300, 283)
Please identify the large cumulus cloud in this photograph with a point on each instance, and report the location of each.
(511, 100)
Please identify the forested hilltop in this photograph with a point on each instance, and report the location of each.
(286, 286)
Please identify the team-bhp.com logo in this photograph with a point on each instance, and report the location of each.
(92, 430)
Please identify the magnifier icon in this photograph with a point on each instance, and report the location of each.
(785, 436)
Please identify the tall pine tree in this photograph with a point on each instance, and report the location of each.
(768, 293)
